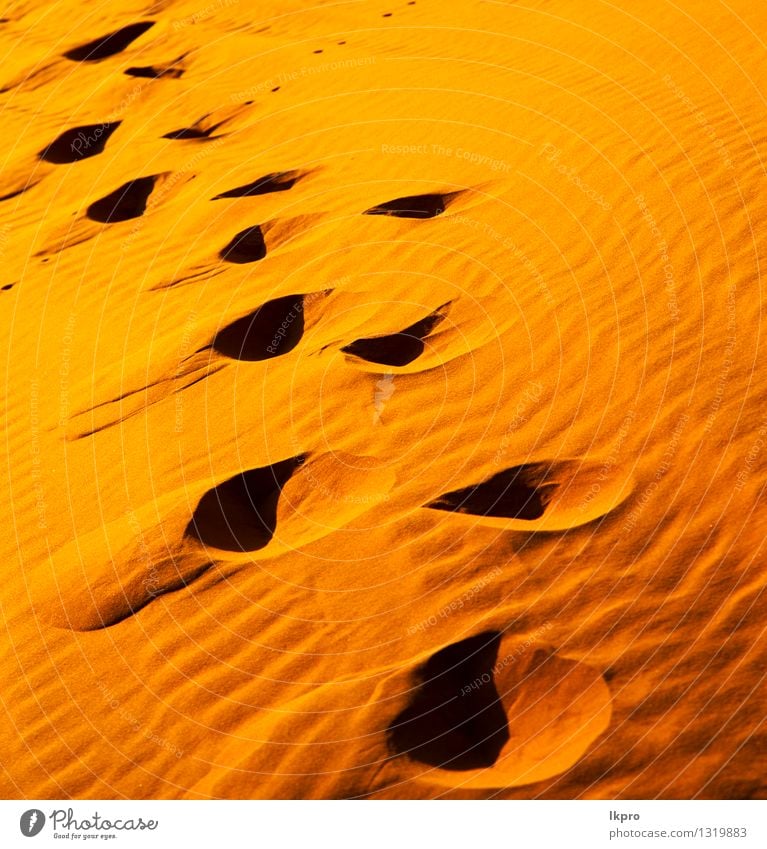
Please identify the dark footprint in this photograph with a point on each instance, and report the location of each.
(78, 143)
(241, 513)
(273, 329)
(279, 182)
(397, 349)
(198, 131)
(247, 246)
(515, 493)
(153, 72)
(455, 719)
(416, 206)
(129, 201)
(108, 45)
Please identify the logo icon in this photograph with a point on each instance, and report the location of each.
(32, 822)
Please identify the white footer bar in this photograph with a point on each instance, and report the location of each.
(384, 824)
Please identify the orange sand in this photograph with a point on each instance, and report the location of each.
(246, 550)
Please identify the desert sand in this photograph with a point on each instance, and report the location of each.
(384, 411)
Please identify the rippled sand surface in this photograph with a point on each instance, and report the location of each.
(384, 399)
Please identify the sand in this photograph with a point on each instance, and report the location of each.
(384, 411)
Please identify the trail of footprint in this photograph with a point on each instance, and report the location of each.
(486, 713)
(129, 201)
(106, 576)
(252, 244)
(124, 203)
(397, 349)
(108, 45)
(415, 206)
(131, 403)
(79, 143)
(289, 504)
(271, 330)
(551, 495)
(280, 181)
(203, 128)
(197, 274)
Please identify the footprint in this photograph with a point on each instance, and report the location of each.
(241, 513)
(200, 130)
(277, 182)
(79, 143)
(443, 729)
(273, 329)
(397, 349)
(204, 128)
(128, 201)
(155, 72)
(415, 206)
(551, 495)
(289, 504)
(108, 45)
(247, 246)
(516, 493)
(491, 711)
(108, 575)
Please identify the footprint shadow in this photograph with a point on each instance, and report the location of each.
(247, 246)
(171, 70)
(397, 349)
(124, 203)
(554, 495)
(108, 45)
(278, 182)
(241, 513)
(78, 143)
(450, 724)
(515, 493)
(275, 328)
(414, 206)
(496, 710)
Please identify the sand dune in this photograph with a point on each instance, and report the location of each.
(384, 404)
